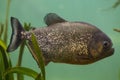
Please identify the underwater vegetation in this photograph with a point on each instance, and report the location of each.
(6, 68)
(116, 4)
(117, 30)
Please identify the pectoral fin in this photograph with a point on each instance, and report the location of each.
(52, 18)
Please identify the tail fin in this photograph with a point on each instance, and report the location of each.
(16, 34)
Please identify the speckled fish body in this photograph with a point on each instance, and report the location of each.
(67, 42)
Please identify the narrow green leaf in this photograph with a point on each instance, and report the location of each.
(2, 67)
(116, 4)
(5, 61)
(38, 77)
(22, 70)
(1, 29)
(5, 55)
(3, 44)
(37, 53)
(117, 30)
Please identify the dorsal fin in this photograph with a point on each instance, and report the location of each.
(52, 18)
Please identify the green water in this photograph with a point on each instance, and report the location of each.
(96, 12)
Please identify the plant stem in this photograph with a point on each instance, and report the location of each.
(20, 76)
(6, 22)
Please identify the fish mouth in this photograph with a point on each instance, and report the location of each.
(109, 53)
(106, 54)
(90, 60)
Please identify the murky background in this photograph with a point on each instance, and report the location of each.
(96, 12)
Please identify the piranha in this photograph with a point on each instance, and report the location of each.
(62, 41)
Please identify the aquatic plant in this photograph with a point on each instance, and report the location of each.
(117, 3)
(115, 6)
(36, 51)
(6, 69)
(5, 62)
(117, 30)
(26, 71)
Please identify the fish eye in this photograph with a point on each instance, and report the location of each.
(106, 44)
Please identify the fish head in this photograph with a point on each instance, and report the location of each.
(100, 47)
